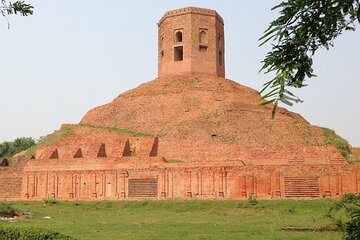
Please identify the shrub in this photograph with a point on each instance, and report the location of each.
(51, 201)
(346, 215)
(252, 200)
(6, 210)
(8, 149)
(335, 140)
(25, 233)
(352, 227)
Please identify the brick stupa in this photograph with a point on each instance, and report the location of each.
(189, 134)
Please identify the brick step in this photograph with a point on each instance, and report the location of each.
(300, 184)
(302, 196)
(143, 196)
(338, 162)
(302, 192)
(143, 192)
(301, 177)
(143, 188)
(296, 161)
(302, 187)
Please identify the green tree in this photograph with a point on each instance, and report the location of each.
(303, 27)
(352, 227)
(346, 214)
(17, 7)
(9, 149)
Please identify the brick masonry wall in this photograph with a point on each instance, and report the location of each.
(10, 183)
(194, 182)
(201, 56)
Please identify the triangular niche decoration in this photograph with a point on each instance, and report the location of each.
(154, 149)
(4, 162)
(127, 150)
(78, 154)
(102, 151)
(55, 154)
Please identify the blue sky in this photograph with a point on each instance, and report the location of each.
(71, 56)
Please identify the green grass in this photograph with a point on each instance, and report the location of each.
(174, 161)
(335, 140)
(50, 140)
(121, 131)
(181, 219)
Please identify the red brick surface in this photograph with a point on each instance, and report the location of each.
(208, 138)
(200, 56)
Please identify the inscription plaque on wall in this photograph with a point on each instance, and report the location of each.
(143, 187)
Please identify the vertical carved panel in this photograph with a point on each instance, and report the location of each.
(243, 190)
(262, 186)
(51, 188)
(110, 184)
(325, 186)
(189, 185)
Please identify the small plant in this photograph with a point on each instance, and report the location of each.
(6, 210)
(22, 232)
(51, 201)
(352, 227)
(346, 215)
(252, 200)
(291, 210)
(174, 161)
(335, 140)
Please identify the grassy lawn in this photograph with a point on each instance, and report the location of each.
(180, 219)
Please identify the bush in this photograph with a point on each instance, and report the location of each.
(51, 201)
(352, 227)
(252, 200)
(26, 233)
(335, 140)
(9, 149)
(346, 215)
(6, 210)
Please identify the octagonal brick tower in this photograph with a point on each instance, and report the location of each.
(191, 42)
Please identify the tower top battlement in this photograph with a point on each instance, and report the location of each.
(191, 42)
(191, 10)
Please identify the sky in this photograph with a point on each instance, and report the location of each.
(72, 56)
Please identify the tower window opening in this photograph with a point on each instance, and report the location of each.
(178, 36)
(203, 48)
(203, 37)
(178, 53)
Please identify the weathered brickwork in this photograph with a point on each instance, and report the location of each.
(191, 181)
(191, 42)
(10, 183)
(189, 134)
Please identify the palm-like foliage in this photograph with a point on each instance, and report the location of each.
(18, 7)
(303, 27)
(352, 227)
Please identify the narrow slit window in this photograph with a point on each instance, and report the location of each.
(220, 58)
(178, 54)
(220, 41)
